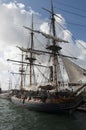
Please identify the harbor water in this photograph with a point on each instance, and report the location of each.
(16, 118)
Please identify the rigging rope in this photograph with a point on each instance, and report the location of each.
(42, 74)
(67, 5)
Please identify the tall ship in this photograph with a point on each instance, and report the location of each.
(54, 94)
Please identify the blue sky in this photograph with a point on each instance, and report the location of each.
(77, 31)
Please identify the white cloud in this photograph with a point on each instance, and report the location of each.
(44, 27)
(14, 5)
(10, 5)
(60, 19)
(21, 5)
(12, 18)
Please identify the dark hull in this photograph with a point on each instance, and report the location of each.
(48, 107)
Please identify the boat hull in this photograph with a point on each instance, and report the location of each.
(47, 107)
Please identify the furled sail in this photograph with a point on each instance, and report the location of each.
(75, 72)
(46, 35)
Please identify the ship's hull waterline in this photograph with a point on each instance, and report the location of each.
(65, 106)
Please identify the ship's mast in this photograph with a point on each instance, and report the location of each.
(10, 84)
(21, 71)
(55, 48)
(31, 59)
(54, 52)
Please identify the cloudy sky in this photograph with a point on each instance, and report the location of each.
(15, 14)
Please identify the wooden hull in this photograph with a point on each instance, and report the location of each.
(49, 107)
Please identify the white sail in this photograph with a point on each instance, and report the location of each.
(47, 35)
(75, 72)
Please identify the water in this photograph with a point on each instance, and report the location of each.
(16, 118)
